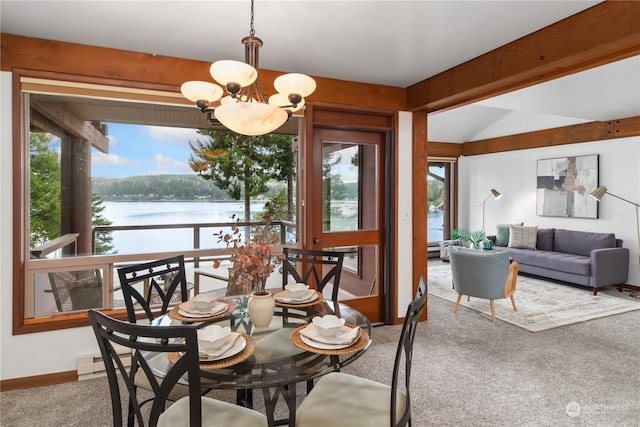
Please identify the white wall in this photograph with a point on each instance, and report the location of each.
(28, 354)
(514, 175)
(405, 213)
(58, 351)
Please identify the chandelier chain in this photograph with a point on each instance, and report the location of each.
(252, 32)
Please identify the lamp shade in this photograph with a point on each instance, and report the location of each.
(300, 84)
(599, 193)
(281, 100)
(196, 90)
(495, 193)
(229, 71)
(251, 118)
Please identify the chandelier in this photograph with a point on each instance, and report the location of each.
(244, 109)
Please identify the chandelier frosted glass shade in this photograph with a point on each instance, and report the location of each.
(201, 92)
(295, 83)
(282, 101)
(251, 118)
(229, 71)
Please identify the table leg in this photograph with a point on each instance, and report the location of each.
(271, 396)
(244, 397)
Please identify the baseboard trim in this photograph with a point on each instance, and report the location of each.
(38, 380)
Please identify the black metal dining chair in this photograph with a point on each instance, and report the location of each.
(313, 267)
(160, 279)
(345, 400)
(180, 342)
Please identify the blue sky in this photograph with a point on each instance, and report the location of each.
(136, 150)
(144, 150)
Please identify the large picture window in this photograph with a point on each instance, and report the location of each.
(110, 176)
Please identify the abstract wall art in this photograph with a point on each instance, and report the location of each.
(564, 185)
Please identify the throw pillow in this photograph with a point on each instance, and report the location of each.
(523, 237)
(545, 239)
(502, 233)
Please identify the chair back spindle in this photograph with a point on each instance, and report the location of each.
(313, 267)
(154, 292)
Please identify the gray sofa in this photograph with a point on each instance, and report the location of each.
(580, 257)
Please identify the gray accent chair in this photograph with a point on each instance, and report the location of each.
(483, 274)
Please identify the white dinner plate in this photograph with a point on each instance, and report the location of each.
(325, 346)
(281, 296)
(239, 344)
(187, 309)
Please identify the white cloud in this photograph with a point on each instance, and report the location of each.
(170, 165)
(101, 159)
(171, 135)
(113, 142)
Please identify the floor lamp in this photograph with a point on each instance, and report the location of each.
(599, 193)
(496, 195)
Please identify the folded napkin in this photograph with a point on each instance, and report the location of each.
(228, 344)
(345, 336)
(282, 297)
(218, 307)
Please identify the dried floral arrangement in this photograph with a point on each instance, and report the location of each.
(251, 261)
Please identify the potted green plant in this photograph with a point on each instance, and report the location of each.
(474, 238)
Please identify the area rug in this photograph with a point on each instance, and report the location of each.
(542, 305)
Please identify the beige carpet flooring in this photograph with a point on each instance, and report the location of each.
(541, 304)
(467, 372)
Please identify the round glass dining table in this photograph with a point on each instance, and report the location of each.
(276, 358)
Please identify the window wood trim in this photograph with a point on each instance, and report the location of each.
(54, 82)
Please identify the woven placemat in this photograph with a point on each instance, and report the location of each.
(357, 346)
(174, 314)
(248, 350)
(302, 305)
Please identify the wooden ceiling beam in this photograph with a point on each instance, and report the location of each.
(66, 119)
(586, 132)
(444, 149)
(157, 72)
(602, 34)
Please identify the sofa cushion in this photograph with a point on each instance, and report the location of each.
(523, 236)
(569, 263)
(544, 240)
(581, 242)
(502, 233)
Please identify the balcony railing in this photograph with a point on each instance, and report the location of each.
(39, 269)
(285, 227)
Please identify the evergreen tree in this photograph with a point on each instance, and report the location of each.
(103, 239)
(242, 165)
(44, 208)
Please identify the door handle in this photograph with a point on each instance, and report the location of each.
(316, 240)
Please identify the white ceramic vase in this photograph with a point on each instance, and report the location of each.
(261, 307)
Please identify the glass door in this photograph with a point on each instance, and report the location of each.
(347, 211)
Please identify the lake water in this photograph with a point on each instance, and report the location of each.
(192, 212)
(435, 225)
(167, 212)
